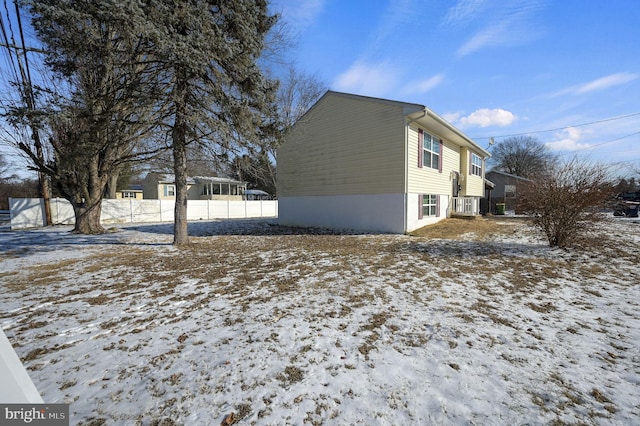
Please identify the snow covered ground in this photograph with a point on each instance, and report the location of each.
(282, 326)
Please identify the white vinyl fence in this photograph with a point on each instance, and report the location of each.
(29, 212)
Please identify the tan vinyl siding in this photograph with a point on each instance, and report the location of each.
(473, 185)
(344, 146)
(427, 180)
(137, 195)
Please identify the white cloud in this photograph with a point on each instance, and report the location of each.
(298, 13)
(463, 11)
(509, 25)
(492, 36)
(606, 82)
(367, 79)
(423, 86)
(451, 117)
(598, 84)
(569, 140)
(485, 117)
(429, 83)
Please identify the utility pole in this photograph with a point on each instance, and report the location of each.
(28, 97)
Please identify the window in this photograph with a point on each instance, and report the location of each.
(430, 151)
(429, 205)
(476, 165)
(128, 194)
(510, 191)
(169, 190)
(210, 189)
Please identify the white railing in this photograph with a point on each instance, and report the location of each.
(469, 206)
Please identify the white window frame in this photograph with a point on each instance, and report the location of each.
(430, 151)
(169, 190)
(476, 165)
(429, 205)
(510, 191)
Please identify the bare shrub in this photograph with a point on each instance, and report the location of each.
(567, 201)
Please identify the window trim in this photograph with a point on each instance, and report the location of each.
(434, 143)
(431, 202)
(475, 168)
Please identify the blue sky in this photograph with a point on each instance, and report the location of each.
(491, 67)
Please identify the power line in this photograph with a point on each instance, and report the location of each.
(562, 128)
(602, 143)
(3, 29)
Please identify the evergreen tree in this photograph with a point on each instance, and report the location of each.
(215, 92)
(97, 125)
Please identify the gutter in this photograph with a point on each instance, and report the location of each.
(428, 113)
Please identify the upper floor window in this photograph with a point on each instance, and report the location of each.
(128, 194)
(430, 151)
(476, 165)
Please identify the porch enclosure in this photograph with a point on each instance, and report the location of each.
(464, 206)
(217, 188)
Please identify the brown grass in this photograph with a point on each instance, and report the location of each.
(251, 270)
(455, 228)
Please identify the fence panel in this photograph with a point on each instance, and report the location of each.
(26, 212)
(29, 212)
(61, 212)
(115, 211)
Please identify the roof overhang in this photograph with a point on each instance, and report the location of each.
(430, 120)
(217, 180)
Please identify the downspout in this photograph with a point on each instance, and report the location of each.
(406, 168)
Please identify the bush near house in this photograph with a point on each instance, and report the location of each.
(566, 202)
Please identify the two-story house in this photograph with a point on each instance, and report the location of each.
(376, 165)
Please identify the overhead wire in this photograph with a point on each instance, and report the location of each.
(9, 53)
(602, 143)
(562, 128)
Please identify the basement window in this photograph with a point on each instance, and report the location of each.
(429, 205)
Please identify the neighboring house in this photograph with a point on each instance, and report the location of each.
(505, 190)
(377, 165)
(256, 194)
(134, 192)
(162, 187)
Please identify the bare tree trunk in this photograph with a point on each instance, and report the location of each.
(88, 217)
(180, 224)
(179, 137)
(45, 192)
(112, 186)
(87, 201)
